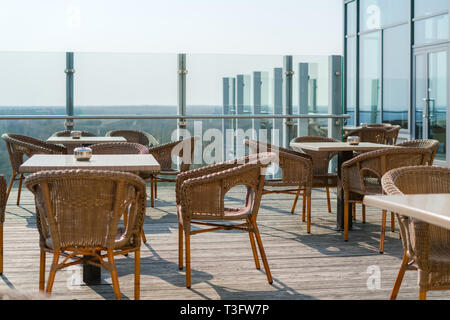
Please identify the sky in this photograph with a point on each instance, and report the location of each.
(125, 50)
(300, 27)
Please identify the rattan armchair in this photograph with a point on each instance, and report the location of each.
(122, 148)
(296, 171)
(428, 144)
(369, 134)
(78, 214)
(19, 146)
(426, 246)
(362, 176)
(66, 133)
(135, 136)
(2, 216)
(322, 178)
(200, 196)
(392, 134)
(164, 154)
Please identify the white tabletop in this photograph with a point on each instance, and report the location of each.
(144, 163)
(84, 140)
(430, 208)
(339, 146)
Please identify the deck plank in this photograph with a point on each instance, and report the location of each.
(319, 265)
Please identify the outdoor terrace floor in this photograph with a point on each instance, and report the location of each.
(319, 265)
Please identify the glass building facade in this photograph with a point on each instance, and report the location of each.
(397, 66)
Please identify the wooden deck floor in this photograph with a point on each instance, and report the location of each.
(319, 265)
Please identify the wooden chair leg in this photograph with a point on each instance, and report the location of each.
(1, 248)
(11, 183)
(262, 252)
(137, 275)
(53, 269)
(255, 252)
(399, 279)
(392, 222)
(144, 238)
(364, 213)
(42, 272)
(187, 238)
(328, 199)
(304, 208)
(422, 295)
(152, 196)
(346, 207)
(354, 211)
(295, 201)
(383, 231)
(114, 277)
(20, 188)
(308, 225)
(180, 246)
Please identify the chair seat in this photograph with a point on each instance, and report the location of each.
(120, 241)
(229, 214)
(324, 181)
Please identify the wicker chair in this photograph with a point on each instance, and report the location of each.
(322, 178)
(135, 136)
(426, 246)
(200, 196)
(122, 148)
(368, 134)
(361, 176)
(296, 171)
(428, 144)
(118, 148)
(19, 146)
(392, 134)
(95, 200)
(183, 149)
(2, 216)
(66, 133)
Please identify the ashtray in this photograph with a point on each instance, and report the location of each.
(75, 134)
(353, 140)
(82, 153)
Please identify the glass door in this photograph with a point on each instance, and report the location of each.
(431, 97)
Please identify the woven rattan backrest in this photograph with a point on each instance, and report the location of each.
(430, 144)
(82, 208)
(19, 146)
(202, 197)
(2, 198)
(134, 136)
(66, 133)
(119, 148)
(320, 160)
(374, 135)
(417, 180)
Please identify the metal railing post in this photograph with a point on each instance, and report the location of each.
(182, 71)
(303, 83)
(335, 127)
(69, 71)
(289, 124)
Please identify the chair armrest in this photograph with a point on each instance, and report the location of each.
(2, 198)
(203, 197)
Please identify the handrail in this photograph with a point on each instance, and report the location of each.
(175, 117)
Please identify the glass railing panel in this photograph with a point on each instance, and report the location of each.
(32, 83)
(125, 83)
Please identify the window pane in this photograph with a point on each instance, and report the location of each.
(378, 13)
(431, 30)
(351, 79)
(425, 7)
(395, 73)
(351, 18)
(370, 78)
